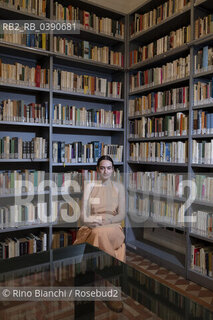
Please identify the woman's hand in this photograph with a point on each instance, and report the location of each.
(93, 221)
(106, 219)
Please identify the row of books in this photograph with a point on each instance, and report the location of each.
(21, 181)
(81, 176)
(77, 152)
(203, 223)
(174, 70)
(161, 211)
(61, 239)
(37, 7)
(15, 216)
(160, 101)
(203, 26)
(204, 185)
(202, 259)
(18, 111)
(203, 60)
(173, 40)
(165, 211)
(16, 182)
(20, 74)
(170, 184)
(89, 20)
(138, 206)
(202, 152)
(15, 247)
(88, 50)
(152, 18)
(203, 92)
(84, 84)
(175, 152)
(32, 40)
(71, 115)
(168, 126)
(202, 122)
(16, 148)
(157, 182)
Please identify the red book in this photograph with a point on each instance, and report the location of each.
(38, 75)
(86, 19)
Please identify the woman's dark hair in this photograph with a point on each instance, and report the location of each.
(105, 158)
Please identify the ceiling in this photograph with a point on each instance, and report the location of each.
(124, 6)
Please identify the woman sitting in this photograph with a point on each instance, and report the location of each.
(103, 209)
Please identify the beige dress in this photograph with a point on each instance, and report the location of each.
(99, 201)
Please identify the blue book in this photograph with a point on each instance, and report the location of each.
(211, 122)
(86, 50)
(59, 151)
(95, 150)
(205, 57)
(208, 123)
(168, 159)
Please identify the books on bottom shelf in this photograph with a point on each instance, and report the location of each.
(202, 259)
(15, 247)
(174, 152)
(16, 216)
(202, 152)
(62, 239)
(16, 148)
(77, 152)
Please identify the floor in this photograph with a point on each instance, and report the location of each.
(132, 310)
(186, 287)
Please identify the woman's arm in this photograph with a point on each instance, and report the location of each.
(118, 218)
(86, 218)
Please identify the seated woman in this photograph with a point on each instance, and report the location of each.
(103, 209)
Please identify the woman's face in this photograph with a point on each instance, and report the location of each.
(105, 169)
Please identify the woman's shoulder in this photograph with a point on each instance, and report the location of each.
(118, 185)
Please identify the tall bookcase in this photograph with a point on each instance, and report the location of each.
(50, 96)
(157, 233)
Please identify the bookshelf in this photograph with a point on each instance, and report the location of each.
(159, 236)
(99, 59)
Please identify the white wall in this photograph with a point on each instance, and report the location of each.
(124, 6)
